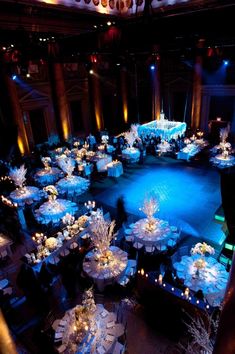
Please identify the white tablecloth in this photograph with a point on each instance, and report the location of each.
(46, 177)
(74, 185)
(131, 154)
(53, 211)
(164, 128)
(105, 333)
(164, 147)
(188, 151)
(102, 162)
(212, 280)
(104, 275)
(26, 195)
(115, 169)
(221, 162)
(159, 237)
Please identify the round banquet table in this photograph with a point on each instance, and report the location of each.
(100, 339)
(212, 280)
(222, 162)
(158, 237)
(53, 211)
(26, 195)
(46, 177)
(105, 274)
(74, 185)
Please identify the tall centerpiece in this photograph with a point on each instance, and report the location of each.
(84, 316)
(67, 165)
(201, 249)
(131, 135)
(51, 192)
(46, 162)
(18, 176)
(224, 145)
(149, 208)
(102, 232)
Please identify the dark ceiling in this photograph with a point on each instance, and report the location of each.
(175, 29)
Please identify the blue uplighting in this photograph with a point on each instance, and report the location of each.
(226, 62)
(174, 185)
(14, 77)
(152, 67)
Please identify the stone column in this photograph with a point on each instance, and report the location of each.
(197, 83)
(7, 344)
(124, 96)
(156, 92)
(96, 96)
(58, 89)
(12, 107)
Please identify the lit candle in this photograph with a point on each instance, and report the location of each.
(186, 293)
(160, 279)
(142, 271)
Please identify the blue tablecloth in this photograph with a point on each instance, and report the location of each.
(53, 211)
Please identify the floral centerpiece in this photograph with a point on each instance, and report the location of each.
(84, 316)
(102, 232)
(149, 208)
(46, 162)
(51, 243)
(67, 165)
(201, 249)
(68, 220)
(51, 191)
(18, 175)
(105, 139)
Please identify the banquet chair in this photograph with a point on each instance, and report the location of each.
(137, 245)
(149, 249)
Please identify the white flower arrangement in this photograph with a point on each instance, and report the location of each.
(105, 139)
(18, 175)
(68, 219)
(51, 243)
(51, 191)
(46, 162)
(202, 249)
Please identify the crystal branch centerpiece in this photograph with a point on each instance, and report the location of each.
(67, 165)
(18, 176)
(102, 234)
(201, 249)
(131, 135)
(149, 208)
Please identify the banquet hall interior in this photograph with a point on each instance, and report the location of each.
(117, 176)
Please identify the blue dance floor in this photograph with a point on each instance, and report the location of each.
(188, 196)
